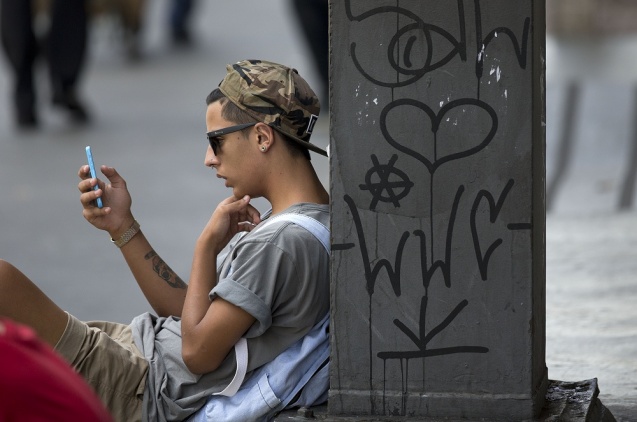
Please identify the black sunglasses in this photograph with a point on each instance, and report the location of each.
(213, 137)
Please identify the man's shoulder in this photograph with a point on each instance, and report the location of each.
(284, 230)
(319, 212)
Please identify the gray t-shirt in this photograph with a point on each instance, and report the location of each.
(279, 274)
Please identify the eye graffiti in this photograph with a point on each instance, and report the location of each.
(420, 30)
(459, 46)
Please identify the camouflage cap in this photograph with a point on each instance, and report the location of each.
(275, 95)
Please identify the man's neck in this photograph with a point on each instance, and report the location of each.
(299, 184)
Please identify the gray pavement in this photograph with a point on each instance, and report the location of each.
(592, 224)
(149, 124)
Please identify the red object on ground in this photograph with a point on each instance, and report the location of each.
(38, 385)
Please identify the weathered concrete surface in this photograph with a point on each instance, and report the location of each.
(565, 402)
(437, 182)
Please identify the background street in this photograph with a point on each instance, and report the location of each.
(149, 124)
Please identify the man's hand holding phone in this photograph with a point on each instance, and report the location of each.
(114, 215)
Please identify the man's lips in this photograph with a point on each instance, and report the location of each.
(220, 176)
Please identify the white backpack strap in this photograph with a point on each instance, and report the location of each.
(241, 352)
(322, 234)
(318, 229)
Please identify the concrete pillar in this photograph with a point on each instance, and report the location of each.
(438, 215)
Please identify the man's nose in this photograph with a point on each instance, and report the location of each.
(211, 159)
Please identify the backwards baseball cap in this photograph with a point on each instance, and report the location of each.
(275, 95)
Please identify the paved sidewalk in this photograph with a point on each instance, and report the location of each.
(591, 306)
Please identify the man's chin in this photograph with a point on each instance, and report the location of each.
(238, 193)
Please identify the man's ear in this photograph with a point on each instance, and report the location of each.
(265, 136)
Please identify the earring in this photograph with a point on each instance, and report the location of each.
(263, 148)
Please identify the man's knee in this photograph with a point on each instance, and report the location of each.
(7, 284)
(8, 274)
(6, 269)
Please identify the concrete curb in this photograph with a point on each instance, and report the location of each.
(565, 402)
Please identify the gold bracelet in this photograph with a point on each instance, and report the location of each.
(128, 235)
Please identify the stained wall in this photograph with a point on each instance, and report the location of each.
(437, 186)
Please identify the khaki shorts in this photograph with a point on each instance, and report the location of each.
(106, 356)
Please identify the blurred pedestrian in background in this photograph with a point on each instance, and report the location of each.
(180, 13)
(313, 18)
(131, 13)
(64, 48)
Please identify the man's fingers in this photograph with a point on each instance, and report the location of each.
(247, 214)
(241, 215)
(113, 176)
(93, 212)
(228, 201)
(86, 184)
(84, 172)
(88, 197)
(233, 206)
(254, 216)
(246, 226)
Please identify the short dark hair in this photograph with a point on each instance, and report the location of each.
(231, 112)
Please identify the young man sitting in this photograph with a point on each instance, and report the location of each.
(270, 286)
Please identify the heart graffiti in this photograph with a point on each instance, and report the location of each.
(436, 121)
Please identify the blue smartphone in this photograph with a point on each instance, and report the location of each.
(91, 166)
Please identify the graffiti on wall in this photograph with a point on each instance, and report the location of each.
(385, 183)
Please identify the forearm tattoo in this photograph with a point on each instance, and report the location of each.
(164, 272)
